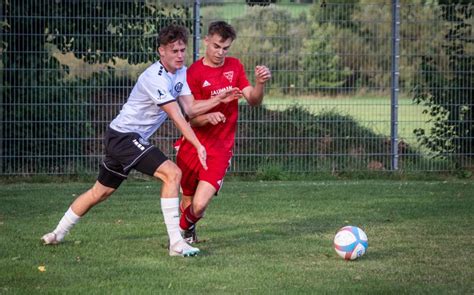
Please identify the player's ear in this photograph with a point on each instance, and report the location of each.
(161, 51)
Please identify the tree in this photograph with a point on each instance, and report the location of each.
(271, 36)
(100, 30)
(447, 90)
(49, 121)
(321, 69)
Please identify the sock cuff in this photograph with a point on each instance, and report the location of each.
(73, 217)
(169, 202)
(190, 216)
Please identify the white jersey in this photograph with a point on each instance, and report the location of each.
(155, 87)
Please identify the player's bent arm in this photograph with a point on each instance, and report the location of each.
(254, 95)
(174, 113)
(193, 107)
(199, 121)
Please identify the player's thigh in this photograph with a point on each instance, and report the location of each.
(214, 175)
(111, 174)
(190, 167)
(151, 162)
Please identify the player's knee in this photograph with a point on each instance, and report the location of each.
(98, 195)
(177, 175)
(171, 175)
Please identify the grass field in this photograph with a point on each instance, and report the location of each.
(262, 238)
(372, 112)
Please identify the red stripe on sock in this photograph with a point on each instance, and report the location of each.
(188, 219)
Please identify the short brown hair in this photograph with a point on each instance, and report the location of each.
(172, 33)
(222, 29)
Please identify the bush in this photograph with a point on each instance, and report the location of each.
(447, 91)
(295, 140)
(259, 2)
(52, 124)
(270, 36)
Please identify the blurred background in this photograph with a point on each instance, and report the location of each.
(357, 85)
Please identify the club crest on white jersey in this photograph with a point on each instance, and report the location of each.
(178, 87)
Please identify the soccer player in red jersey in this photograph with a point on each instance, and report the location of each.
(207, 77)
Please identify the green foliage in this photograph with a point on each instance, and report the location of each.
(125, 29)
(271, 36)
(360, 40)
(295, 140)
(447, 91)
(259, 2)
(270, 172)
(321, 64)
(301, 54)
(46, 116)
(339, 13)
(338, 47)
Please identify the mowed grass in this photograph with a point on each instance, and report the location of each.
(371, 112)
(262, 238)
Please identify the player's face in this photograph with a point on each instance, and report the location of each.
(172, 55)
(216, 49)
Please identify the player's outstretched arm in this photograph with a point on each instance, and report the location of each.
(254, 95)
(194, 108)
(174, 112)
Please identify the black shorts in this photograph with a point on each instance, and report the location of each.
(124, 152)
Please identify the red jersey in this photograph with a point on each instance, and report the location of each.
(205, 81)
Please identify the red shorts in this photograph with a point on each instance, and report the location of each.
(193, 172)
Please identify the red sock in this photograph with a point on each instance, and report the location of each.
(188, 219)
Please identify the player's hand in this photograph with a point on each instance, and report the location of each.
(229, 95)
(262, 74)
(201, 151)
(215, 118)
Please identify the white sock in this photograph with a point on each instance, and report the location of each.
(65, 224)
(170, 209)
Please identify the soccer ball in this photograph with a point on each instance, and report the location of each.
(350, 242)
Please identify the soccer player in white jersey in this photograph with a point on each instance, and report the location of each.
(152, 100)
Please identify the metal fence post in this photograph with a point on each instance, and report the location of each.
(395, 79)
(197, 29)
(1, 99)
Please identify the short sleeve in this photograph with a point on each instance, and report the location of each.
(156, 88)
(193, 83)
(186, 90)
(242, 81)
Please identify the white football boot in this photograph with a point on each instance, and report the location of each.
(181, 248)
(49, 239)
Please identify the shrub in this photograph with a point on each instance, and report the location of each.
(295, 140)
